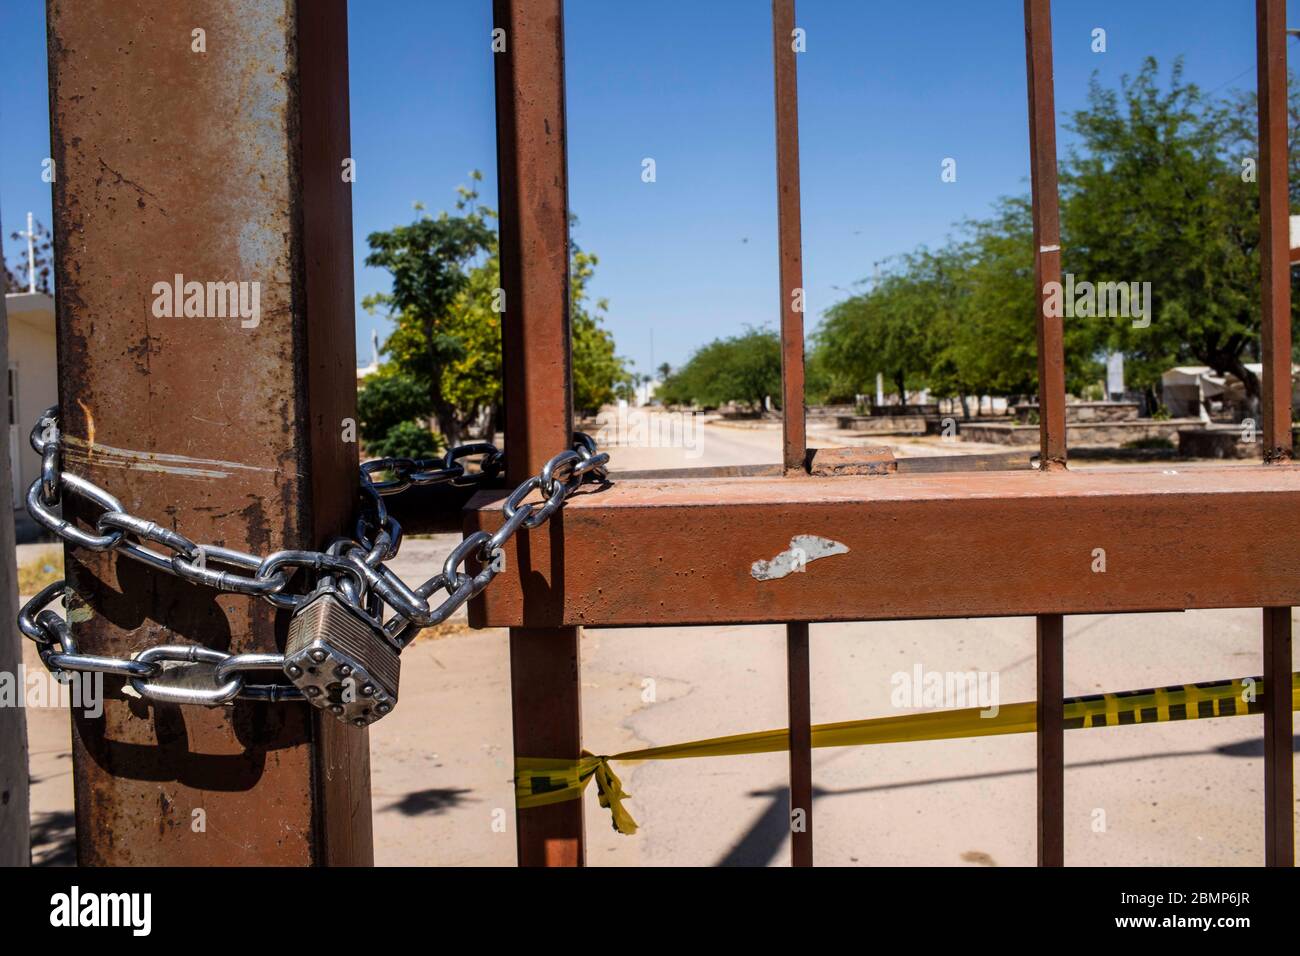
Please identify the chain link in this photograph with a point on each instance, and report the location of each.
(353, 568)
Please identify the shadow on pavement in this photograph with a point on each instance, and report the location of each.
(54, 839)
(421, 802)
(768, 833)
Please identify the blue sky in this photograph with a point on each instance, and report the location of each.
(887, 91)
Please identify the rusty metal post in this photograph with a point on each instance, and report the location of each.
(1047, 230)
(799, 704)
(203, 143)
(1279, 757)
(793, 428)
(790, 244)
(545, 689)
(1050, 739)
(1275, 329)
(15, 818)
(1051, 411)
(1274, 228)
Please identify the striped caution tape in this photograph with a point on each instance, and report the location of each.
(540, 781)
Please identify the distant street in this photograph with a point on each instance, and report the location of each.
(758, 443)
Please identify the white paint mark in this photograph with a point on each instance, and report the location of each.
(804, 549)
(1049, 248)
(89, 451)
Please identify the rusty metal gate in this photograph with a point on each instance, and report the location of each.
(137, 151)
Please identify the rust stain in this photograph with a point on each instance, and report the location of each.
(172, 163)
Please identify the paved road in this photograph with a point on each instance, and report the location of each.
(710, 442)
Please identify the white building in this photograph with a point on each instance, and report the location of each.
(645, 392)
(33, 380)
(1187, 389)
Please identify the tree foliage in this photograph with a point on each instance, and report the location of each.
(1158, 188)
(447, 303)
(887, 330)
(407, 439)
(599, 374)
(1156, 191)
(430, 262)
(744, 368)
(386, 406)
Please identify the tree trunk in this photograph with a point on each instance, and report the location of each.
(494, 418)
(965, 407)
(1150, 398)
(448, 424)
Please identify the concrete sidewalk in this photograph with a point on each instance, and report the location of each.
(1174, 794)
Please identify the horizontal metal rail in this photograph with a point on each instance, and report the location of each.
(681, 552)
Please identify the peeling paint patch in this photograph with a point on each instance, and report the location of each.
(80, 614)
(804, 548)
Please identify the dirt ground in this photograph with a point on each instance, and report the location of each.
(1172, 794)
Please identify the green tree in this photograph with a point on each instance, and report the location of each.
(959, 320)
(408, 439)
(1157, 189)
(447, 305)
(472, 379)
(887, 329)
(429, 261)
(823, 386)
(744, 368)
(986, 342)
(1155, 192)
(388, 408)
(599, 373)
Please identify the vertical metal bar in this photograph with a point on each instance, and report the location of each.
(1047, 230)
(799, 697)
(790, 246)
(534, 197)
(1275, 335)
(1274, 228)
(547, 720)
(533, 194)
(257, 111)
(1279, 794)
(793, 429)
(1050, 715)
(15, 816)
(342, 754)
(1051, 411)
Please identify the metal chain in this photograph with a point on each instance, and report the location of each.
(353, 568)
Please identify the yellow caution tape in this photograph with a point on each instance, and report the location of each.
(540, 781)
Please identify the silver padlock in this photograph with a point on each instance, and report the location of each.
(342, 661)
